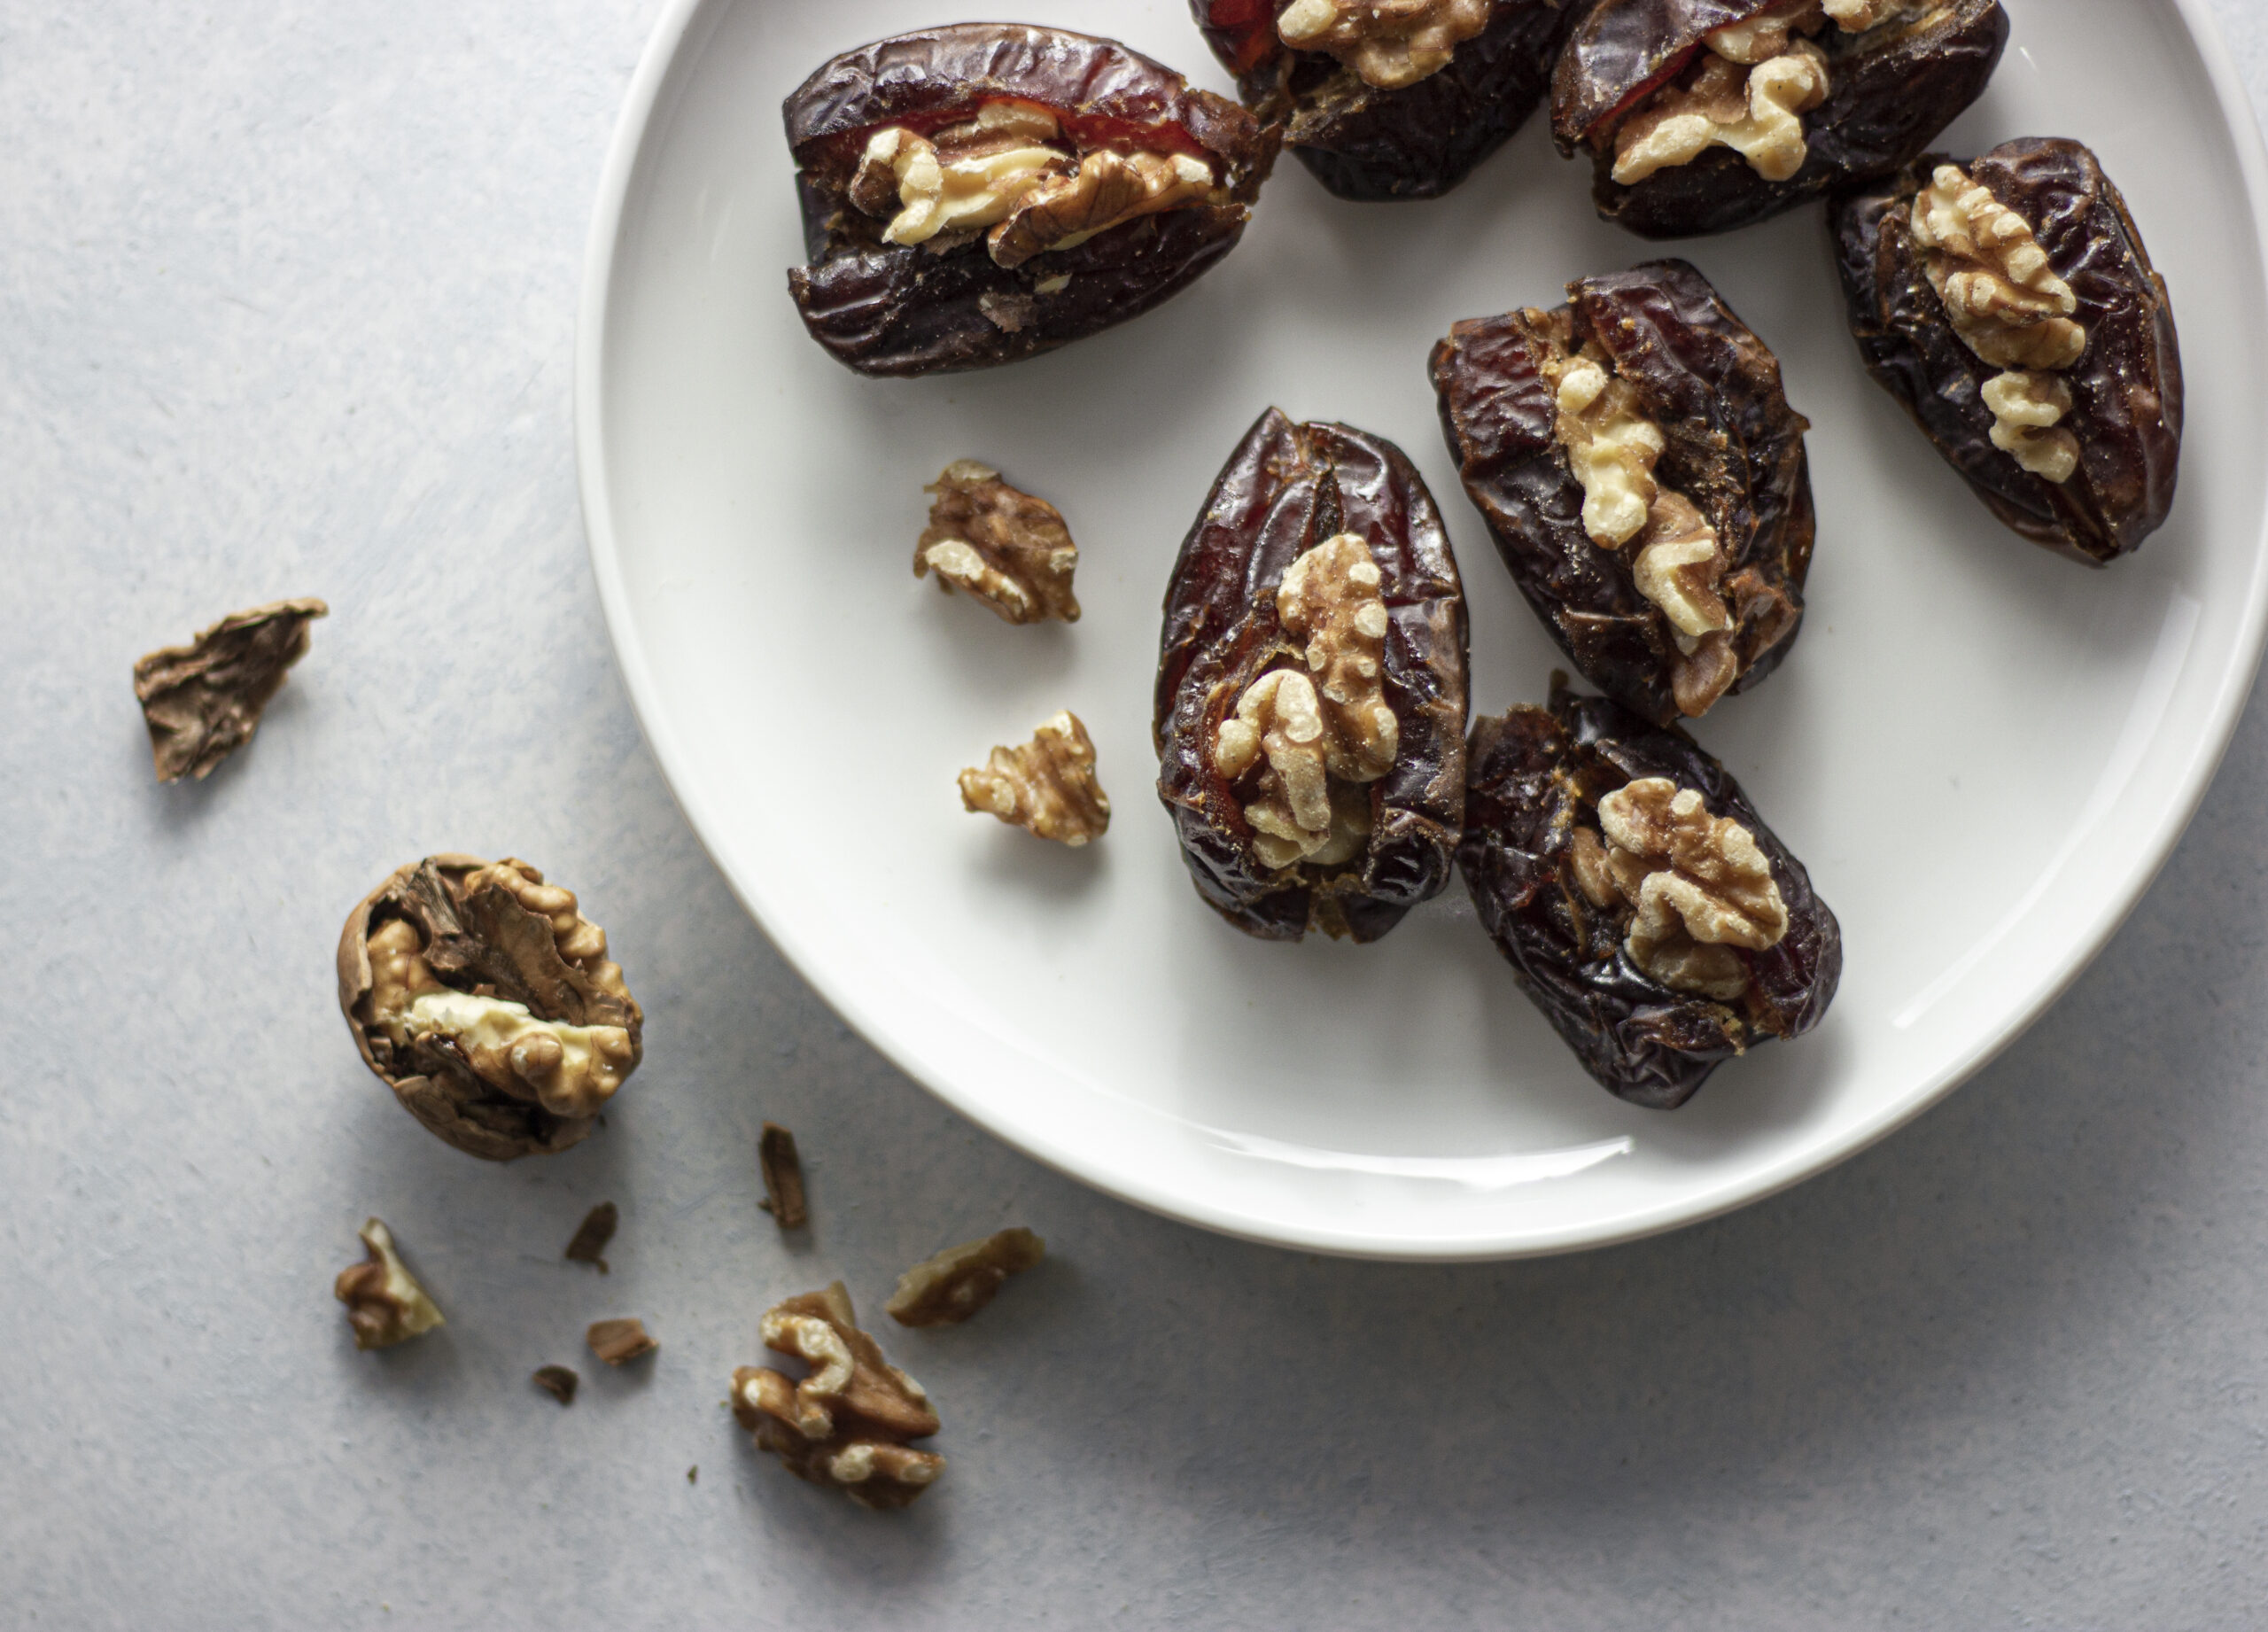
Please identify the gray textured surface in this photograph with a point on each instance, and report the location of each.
(286, 308)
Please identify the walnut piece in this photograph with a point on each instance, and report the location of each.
(557, 1382)
(619, 1342)
(1108, 189)
(1324, 730)
(947, 1288)
(1756, 111)
(203, 701)
(848, 1423)
(783, 1176)
(2011, 309)
(592, 1235)
(1699, 886)
(1046, 787)
(487, 1002)
(384, 1303)
(1389, 43)
(1009, 549)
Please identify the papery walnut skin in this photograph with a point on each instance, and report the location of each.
(900, 310)
(1735, 449)
(1535, 775)
(1371, 144)
(2126, 389)
(1287, 488)
(1890, 91)
(202, 702)
(480, 941)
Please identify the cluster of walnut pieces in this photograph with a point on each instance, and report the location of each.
(1388, 44)
(1006, 547)
(482, 996)
(1046, 787)
(384, 1303)
(849, 1422)
(1325, 729)
(203, 701)
(2009, 306)
(947, 1287)
(1010, 176)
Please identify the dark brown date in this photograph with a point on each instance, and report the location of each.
(1536, 776)
(1889, 90)
(1731, 447)
(955, 300)
(2124, 390)
(1371, 142)
(1288, 490)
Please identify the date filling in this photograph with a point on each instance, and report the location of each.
(1388, 44)
(1011, 176)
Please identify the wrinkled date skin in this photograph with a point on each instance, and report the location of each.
(1287, 488)
(1368, 143)
(1890, 91)
(890, 309)
(1534, 774)
(2125, 390)
(1734, 447)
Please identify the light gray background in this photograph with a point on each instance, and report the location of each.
(286, 303)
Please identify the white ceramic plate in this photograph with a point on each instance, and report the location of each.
(1983, 752)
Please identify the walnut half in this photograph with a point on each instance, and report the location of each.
(1006, 549)
(384, 1303)
(947, 1287)
(1046, 787)
(848, 1423)
(202, 702)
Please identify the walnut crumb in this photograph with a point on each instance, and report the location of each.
(1002, 546)
(619, 1342)
(783, 1177)
(592, 1235)
(557, 1382)
(384, 1303)
(1046, 787)
(947, 1288)
(203, 701)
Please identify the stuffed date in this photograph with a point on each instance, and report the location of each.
(1311, 687)
(1645, 481)
(1704, 115)
(1644, 906)
(1387, 100)
(977, 194)
(2010, 305)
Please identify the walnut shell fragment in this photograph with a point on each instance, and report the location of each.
(559, 1381)
(1642, 902)
(617, 1342)
(384, 1303)
(1047, 786)
(488, 1003)
(783, 1177)
(2057, 396)
(1638, 462)
(592, 1235)
(1001, 546)
(947, 1287)
(203, 701)
(850, 1422)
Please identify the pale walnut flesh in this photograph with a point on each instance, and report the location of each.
(1756, 110)
(1698, 888)
(202, 702)
(384, 1303)
(949, 1286)
(2028, 406)
(1388, 44)
(1047, 786)
(1003, 546)
(849, 1421)
(1109, 188)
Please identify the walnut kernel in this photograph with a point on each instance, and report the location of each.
(619, 1342)
(847, 1424)
(384, 1303)
(1699, 885)
(1756, 111)
(1046, 787)
(559, 1381)
(1389, 43)
(1006, 547)
(1064, 210)
(2027, 406)
(783, 1176)
(949, 1286)
(203, 701)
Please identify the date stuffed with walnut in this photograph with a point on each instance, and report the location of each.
(2010, 305)
(1655, 919)
(1645, 481)
(1311, 687)
(1704, 115)
(1388, 99)
(977, 194)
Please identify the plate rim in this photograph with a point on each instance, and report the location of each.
(636, 131)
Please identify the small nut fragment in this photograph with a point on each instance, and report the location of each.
(557, 1382)
(592, 1235)
(950, 1286)
(1700, 884)
(1009, 549)
(847, 1423)
(1389, 43)
(1062, 210)
(2026, 406)
(203, 701)
(1612, 448)
(616, 1341)
(1046, 787)
(968, 178)
(783, 1176)
(1757, 111)
(384, 1303)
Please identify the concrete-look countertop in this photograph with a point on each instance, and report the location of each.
(287, 304)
